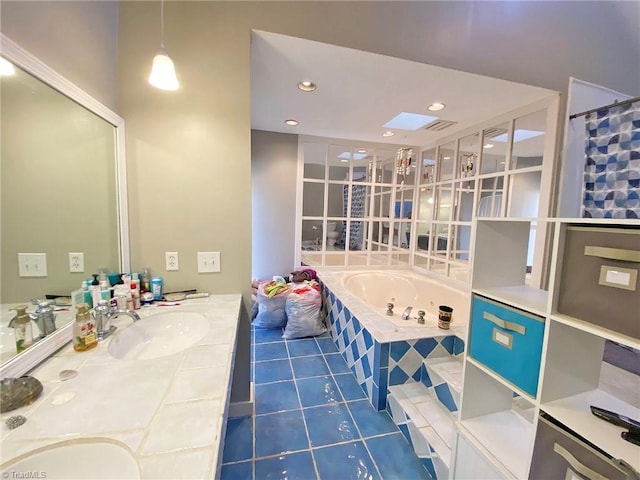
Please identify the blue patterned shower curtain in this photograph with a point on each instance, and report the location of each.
(612, 168)
(358, 197)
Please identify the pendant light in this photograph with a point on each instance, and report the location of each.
(163, 73)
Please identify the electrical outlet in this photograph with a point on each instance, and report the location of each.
(171, 261)
(76, 262)
(208, 262)
(32, 264)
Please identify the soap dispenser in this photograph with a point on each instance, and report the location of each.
(22, 328)
(84, 332)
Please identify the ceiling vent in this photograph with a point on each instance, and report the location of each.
(439, 125)
(494, 132)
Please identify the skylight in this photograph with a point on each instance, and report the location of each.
(518, 135)
(355, 156)
(409, 121)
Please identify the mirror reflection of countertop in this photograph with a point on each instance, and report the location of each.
(7, 337)
(170, 411)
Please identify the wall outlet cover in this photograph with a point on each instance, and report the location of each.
(76, 262)
(208, 262)
(32, 264)
(171, 261)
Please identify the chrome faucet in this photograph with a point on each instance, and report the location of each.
(44, 316)
(104, 315)
(407, 312)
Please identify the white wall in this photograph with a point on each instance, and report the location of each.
(274, 159)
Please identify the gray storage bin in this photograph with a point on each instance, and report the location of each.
(599, 278)
(559, 454)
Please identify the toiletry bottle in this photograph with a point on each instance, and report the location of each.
(135, 295)
(105, 290)
(22, 328)
(145, 285)
(84, 333)
(156, 288)
(87, 294)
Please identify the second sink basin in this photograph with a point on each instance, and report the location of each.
(159, 335)
(88, 459)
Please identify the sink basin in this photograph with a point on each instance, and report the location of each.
(90, 459)
(159, 335)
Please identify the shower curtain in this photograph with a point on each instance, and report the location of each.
(356, 233)
(612, 168)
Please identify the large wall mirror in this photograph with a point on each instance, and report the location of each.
(63, 192)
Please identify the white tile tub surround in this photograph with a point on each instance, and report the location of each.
(171, 411)
(367, 292)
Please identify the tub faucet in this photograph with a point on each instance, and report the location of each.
(104, 315)
(407, 313)
(390, 309)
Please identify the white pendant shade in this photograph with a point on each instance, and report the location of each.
(6, 68)
(163, 73)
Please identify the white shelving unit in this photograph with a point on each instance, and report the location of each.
(496, 416)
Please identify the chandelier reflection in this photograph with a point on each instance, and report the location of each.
(404, 159)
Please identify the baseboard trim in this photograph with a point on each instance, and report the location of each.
(241, 409)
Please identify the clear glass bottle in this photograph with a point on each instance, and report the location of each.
(22, 329)
(145, 284)
(84, 331)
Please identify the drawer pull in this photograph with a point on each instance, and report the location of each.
(613, 253)
(583, 470)
(514, 327)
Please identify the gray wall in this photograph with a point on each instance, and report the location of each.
(273, 178)
(77, 39)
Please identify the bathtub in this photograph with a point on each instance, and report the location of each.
(367, 292)
(383, 350)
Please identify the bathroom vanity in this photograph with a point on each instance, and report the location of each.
(151, 401)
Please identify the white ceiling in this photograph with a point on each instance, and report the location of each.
(358, 92)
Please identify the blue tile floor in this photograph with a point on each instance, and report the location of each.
(312, 420)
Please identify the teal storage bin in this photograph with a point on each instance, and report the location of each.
(507, 341)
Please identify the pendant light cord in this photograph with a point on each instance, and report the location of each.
(162, 24)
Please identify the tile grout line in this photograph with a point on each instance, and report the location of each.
(364, 443)
(304, 420)
(344, 401)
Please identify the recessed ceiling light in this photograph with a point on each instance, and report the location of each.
(343, 160)
(436, 106)
(388, 133)
(362, 150)
(307, 86)
(488, 145)
(291, 122)
(446, 158)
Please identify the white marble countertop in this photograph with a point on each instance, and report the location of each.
(169, 411)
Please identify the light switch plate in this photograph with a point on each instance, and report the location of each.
(171, 261)
(76, 262)
(208, 262)
(32, 264)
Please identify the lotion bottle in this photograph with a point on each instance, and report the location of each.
(84, 332)
(22, 328)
